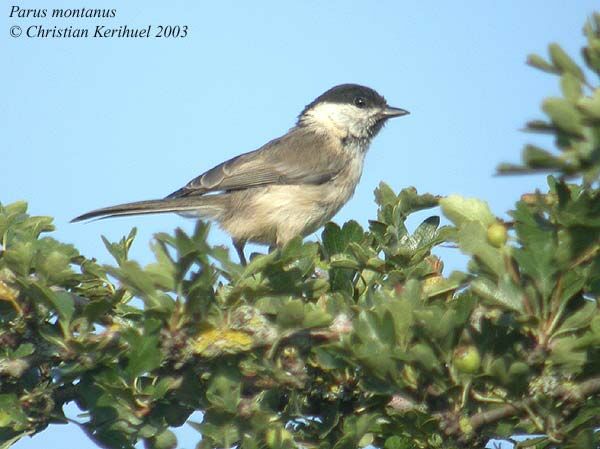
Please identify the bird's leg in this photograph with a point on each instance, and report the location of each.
(239, 247)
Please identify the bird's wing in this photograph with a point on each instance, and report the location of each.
(299, 157)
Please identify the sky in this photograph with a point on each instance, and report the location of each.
(87, 123)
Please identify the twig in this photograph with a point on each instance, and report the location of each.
(579, 393)
(489, 416)
(568, 394)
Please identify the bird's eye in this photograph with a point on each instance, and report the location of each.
(360, 102)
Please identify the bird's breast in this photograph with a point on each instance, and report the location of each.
(342, 186)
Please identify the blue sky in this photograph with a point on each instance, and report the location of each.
(91, 123)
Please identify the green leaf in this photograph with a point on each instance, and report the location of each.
(143, 284)
(15, 209)
(564, 114)
(336, 239)
(564, 63)
(52, 261)
(472, 239)
(397, 442)
(145, 354)
(426, 232)
(164, 271)
(384, 195)
(344, 261)
(580, 319)
(259, 263)
(19, 257)
(35, 226)
(120, 250)
(461, 210)
(591, 53)
(372, 349)
(571, 87)
(61, 302)
(425, 356)
(224, 391)
(538, 158)
(536, 257)
(585, 439)
(327, 359)
(221, 435)
(409, 201)
(518, 369)
(315, 316)
(291, 313)
(445, 285)
(504, 294)
(590, 106)
(64, 304)
(540, 63)
(164, 440)
(24, 350)
(566, 352)
(13, 414)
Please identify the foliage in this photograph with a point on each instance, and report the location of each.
(359, 339)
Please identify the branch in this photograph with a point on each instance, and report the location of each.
(496, 414)
(451, 425)
(570, 394)
(580, 392)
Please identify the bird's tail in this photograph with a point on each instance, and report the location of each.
(202, 206)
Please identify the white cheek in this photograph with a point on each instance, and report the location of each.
(342, 118)
(329, 114)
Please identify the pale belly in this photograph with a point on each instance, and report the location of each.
(276, 214)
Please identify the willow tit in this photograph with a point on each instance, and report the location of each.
(292, 185)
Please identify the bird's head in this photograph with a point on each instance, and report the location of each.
(350, 111)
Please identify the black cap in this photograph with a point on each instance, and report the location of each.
(349, 94)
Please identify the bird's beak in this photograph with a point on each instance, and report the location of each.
(390, 112)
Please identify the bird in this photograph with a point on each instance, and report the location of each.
(289, 187)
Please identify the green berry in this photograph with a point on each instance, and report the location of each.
(496, 234)
(467, 359)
